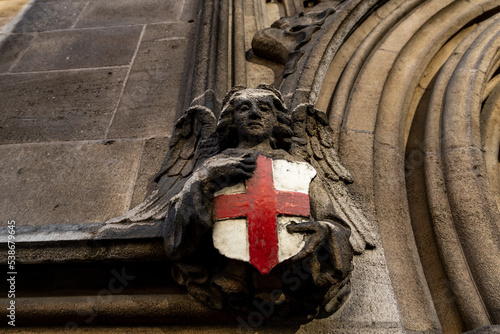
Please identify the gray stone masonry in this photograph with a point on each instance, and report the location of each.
(88, 95)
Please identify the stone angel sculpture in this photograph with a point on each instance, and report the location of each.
(255, 207)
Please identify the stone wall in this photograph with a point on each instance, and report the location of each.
(89, 93)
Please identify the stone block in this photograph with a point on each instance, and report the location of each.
(66, 49)
(156, 83)
(371, 267)
(407, 276)
(486, 330)
(359, 327)
(365, 97)
(65, 183)
(68, 105)
(154, 152)
(128, 12)
(189, 10)
(11, 48)
(50, 15)
(356, 155)
(372, 297)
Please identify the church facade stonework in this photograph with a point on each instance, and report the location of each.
(251, 166)
(264, 186)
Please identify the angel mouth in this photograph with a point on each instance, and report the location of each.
(253, 124)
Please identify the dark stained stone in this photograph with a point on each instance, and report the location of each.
(151, 96)
(84, 48)
(67, 105)
(485, 330)
(50, 15)
(10, 49)
(127, 12)
(65, 183)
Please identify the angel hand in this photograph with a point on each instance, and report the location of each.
(224, 172)
(317, 235)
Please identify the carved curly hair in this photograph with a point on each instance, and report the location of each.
(281, 137)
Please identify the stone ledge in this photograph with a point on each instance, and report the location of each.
(86, 242)
(75, 311)
(485, 330)
(84, 313)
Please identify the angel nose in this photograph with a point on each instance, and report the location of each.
(255, 112)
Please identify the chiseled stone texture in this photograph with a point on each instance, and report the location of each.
(74, 75)
(65, 49)
(50, 15)
(63, 183)
(486, 330)
(69, 105)
(372, 306)
(129, 12)
(151, 97)
(154, 152)
(154, 330)
(11, 48)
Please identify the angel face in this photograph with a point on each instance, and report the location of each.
(254, 117)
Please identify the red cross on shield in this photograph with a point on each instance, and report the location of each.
(248, 218)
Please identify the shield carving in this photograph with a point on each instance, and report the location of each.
(251, 217)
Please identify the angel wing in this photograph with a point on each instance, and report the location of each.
(313, 141)
(192, 142)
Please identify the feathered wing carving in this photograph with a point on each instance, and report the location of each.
(313, 142)
(193, 140)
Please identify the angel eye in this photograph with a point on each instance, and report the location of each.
(244, 107)
(265, 108)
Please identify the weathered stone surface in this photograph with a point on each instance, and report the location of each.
(73, 105)
(370, 85)
(153, 153)
(486, 330)
(373, 299)
(191, 205)
(151, 98)
(378, 304)
(425, 28)
(11, 48)
(67, 49)
(402, 259)
(128, 12)
(332, 327)
(215, 329)
(360, 168)
(52, 234)
(189, 10)
(283, 41)
(82, 182)
(87, 242)
(50, 15)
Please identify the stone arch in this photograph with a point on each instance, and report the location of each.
(411, 91)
